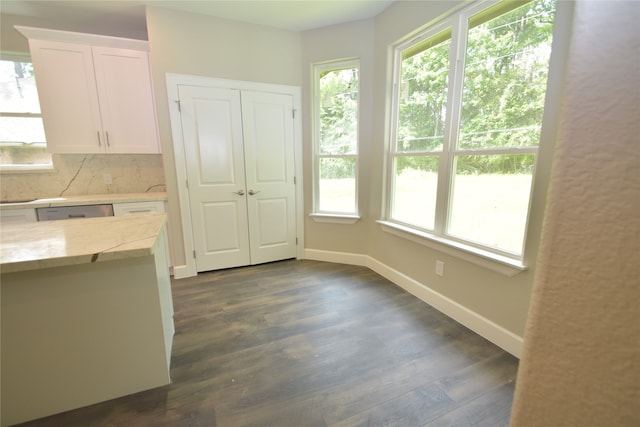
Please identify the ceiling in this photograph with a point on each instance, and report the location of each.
(129, 15)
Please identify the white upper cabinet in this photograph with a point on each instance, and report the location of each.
(125, 96)
(96, 94)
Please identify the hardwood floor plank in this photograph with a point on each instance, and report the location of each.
(479, 378)
(306, 343)
(491, 409)
(410, 409)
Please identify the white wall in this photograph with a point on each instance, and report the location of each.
(581, 361)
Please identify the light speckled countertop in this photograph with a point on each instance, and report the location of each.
(38, 245)
(92, 199)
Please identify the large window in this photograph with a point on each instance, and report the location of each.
(22, 140)
(469, 96)
(336, 100)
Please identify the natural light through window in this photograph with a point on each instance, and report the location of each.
(22, 139)
(465, 133)
(336, 137)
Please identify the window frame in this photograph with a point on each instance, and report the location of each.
(324, 215)
(23, 168)
(458, 23)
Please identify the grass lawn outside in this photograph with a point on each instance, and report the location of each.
(490, 209)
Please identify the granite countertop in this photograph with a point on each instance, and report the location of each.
(92, 199)
(39, 245)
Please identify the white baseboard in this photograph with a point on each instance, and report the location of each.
(337, 257)
(484, 327)
(181, 271)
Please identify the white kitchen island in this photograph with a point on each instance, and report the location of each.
(87, 313)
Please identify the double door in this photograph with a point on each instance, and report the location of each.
(239, 154)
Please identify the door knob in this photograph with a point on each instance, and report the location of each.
(252, 192)
(239, 192)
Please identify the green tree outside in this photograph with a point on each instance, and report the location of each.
(503, 94)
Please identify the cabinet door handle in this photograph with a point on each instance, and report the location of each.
(239, 192)
(99, 142)
(108, 143)
(252, 192)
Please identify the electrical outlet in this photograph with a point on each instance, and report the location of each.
(106, 177)
(440, 268)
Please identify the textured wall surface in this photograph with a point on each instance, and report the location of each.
(581, 360)
(83, 174)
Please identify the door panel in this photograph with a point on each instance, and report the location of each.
(271, 229)
(266, 136)
(212, 134)
(221, 237)
(215, 133)
(125, 91)
(68, 96)
(269, 159)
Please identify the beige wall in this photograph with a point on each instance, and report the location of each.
(581, 362)
(352, 40)
(490, 295)
(12, 41)
(581, 350)
(186, 43)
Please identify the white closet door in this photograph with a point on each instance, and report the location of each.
(269, 160)
(213, 144)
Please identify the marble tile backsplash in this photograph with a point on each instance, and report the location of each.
(84, 174)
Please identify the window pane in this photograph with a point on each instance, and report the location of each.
(24, 154)
(423, 97)
(337, 185)
(414, 190)
(490, 199)
(22, 138)
(21, 129)
(18, 92)
(505, 78)
(339, 112)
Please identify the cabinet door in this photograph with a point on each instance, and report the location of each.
(138, 208)
(68, 96)
(145, 208)
(126, 100)
(15, 216)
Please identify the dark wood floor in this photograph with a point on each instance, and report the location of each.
(305, 343)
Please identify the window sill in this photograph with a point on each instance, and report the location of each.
(335, 218)
(498, 263)
(9, 169)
